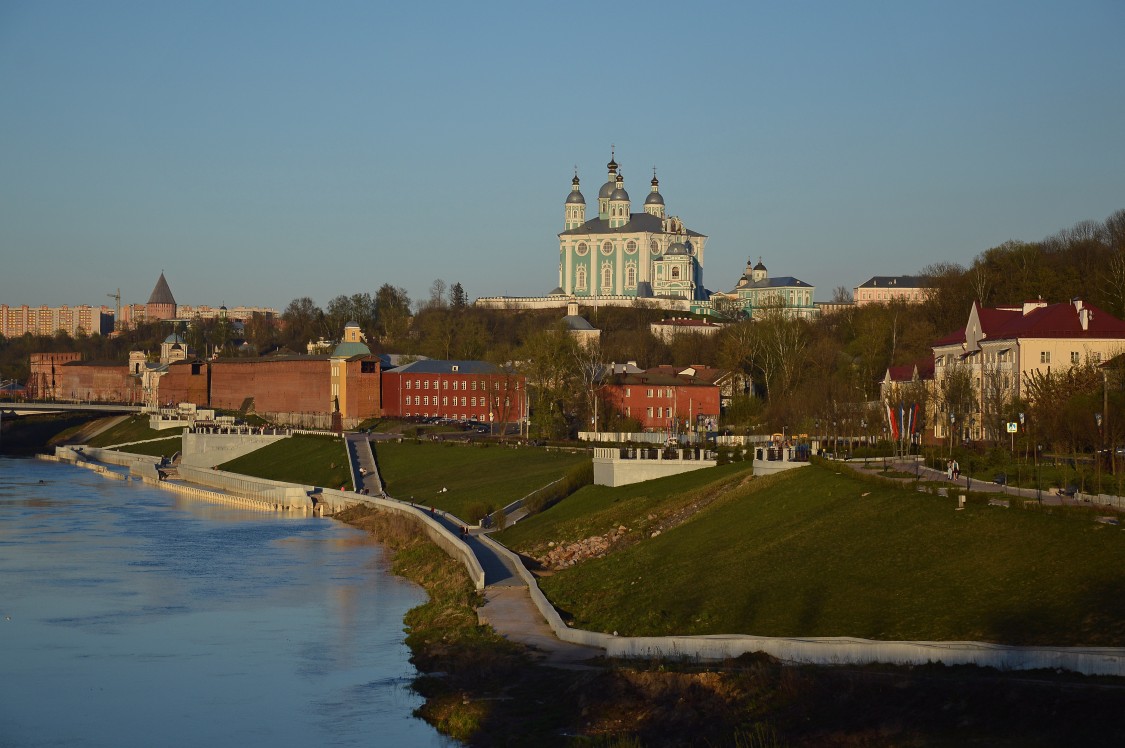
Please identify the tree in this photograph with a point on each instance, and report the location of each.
(957, 393)
(589, 366)
(392, 306)
(457, 298)
(437, 296)
(842, 295)
(548, 365)
(304, 322)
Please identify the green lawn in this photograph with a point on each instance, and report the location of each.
(308, 460)
(813, 553)
(595, 510)
(132, 429)
(492, 475)
(161, 448)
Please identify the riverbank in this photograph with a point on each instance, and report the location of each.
(484, 690)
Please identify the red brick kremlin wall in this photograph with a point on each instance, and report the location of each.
(185, 382)
(291, 385)
(104, 382)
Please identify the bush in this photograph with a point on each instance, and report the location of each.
(477, 511)
(574, 479)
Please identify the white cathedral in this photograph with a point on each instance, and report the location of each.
(625, 254)
(621, 258)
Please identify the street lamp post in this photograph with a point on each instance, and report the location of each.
(1019, 465)
(1101, 443)
(952, 428)
(1038, 473)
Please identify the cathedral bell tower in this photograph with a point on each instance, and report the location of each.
(575, 205)
(607, 189)
(654, 203)
(618, 203)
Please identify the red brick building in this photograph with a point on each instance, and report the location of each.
(667, 397)
(464, 390)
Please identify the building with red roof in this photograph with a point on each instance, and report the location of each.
(668, 397)
(1001, 347)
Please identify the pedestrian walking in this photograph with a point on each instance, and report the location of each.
(949, 469)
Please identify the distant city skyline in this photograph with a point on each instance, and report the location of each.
(256, 154)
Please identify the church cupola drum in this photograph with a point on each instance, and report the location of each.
(621, 254)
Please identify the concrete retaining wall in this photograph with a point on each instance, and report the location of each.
(204, 450)
(437, 532)
(287, 496)
(113, 457)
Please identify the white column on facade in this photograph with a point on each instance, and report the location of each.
(617, 276)
(568, 286)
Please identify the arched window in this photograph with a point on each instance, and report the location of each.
(607, 276)
(580, 277)
(675, 273)
(631, 276)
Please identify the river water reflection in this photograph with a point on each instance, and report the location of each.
(132, 617)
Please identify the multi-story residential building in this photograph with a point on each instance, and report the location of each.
(465, 390)
(239, 313)
(1000, 348)
(667, 397)
(45, 320)
(882, 289)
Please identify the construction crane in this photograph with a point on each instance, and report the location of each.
(117, 309)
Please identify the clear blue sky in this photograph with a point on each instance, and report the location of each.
(259, 151)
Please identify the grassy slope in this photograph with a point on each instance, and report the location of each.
(808, 554)
(134, 428)
(309, 460)
(161, 448)
(594, 510)
(490, 475)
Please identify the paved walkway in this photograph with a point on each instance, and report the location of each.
(507, 602)
(965, 482)
(363, 464)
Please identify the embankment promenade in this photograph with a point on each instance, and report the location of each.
(272, 496)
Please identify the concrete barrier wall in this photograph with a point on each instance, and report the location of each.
(204, 450)
(437, 532)
(825, 650)
(847, 651)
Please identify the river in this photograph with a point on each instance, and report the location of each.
(131, 616)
